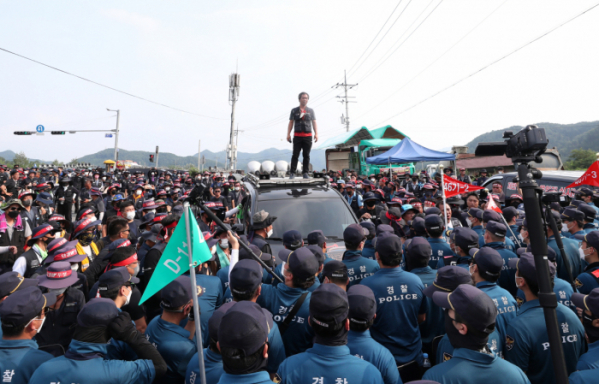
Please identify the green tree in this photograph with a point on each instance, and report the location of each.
(22, 160)
(56, 162)
(580, 159)
(74, 161)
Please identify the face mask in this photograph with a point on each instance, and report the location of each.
(138, 193)
(564, 227)
(167, 189)
(269, 233)
(370, 204)
(136, 270)
(104, 178)
(237, 188)
(224, 243)
(13, 214)
(129, 296)
(75, 267)
(177, 190)
(152, 211)
(582, 254)
(469, 222)
(130, 215)
(41, 325)
(27, 203)
(58, 292)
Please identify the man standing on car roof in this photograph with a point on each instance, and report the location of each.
(302, 120)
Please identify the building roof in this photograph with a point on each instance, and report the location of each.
(484, 162)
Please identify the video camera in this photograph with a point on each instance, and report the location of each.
(525, 146)
(556, 197)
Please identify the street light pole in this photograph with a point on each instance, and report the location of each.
(116, 135)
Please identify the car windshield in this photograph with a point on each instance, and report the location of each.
(306, 215)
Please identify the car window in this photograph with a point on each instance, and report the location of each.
(331, 216)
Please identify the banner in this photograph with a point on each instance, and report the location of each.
(492, 205)
(455, 187)
(175, 260)
(588, 178)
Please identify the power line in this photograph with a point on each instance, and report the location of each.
(406, 39)
(382, 38)
(107, 86)
(492, 63)
(434, 61)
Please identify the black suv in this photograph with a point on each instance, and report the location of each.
(552, 181)
(301, 204)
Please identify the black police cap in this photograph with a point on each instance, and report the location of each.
(448, 279)
(177, 293)
(98, 312)
(243, 327)
(419, 249)
(302, 263)
(336, 269)
(24, 305)
(588, 302)
(362, 304)
(389, 247)
(488, 260)
(496, 228)
(473, 305)
(328, 305)
(433, 223)
(292, 239)
(245, 277)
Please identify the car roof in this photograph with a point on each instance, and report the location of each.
(549, 174)
(289, 192)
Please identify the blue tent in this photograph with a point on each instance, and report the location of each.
(408, 151)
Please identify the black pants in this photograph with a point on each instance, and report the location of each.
(301, 144)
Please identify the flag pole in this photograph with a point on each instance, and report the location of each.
(194, 289)
(443, 189)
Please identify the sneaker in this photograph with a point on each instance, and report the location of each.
(306, 176)
(291, 176)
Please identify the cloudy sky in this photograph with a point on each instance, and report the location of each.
(180, 53)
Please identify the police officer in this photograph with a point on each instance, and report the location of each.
(175, 343)
(262, 227)
(302, 120)
(32, 259)
(511, 214)
(434, 228)
(358, 267)
(317, 237)
(61, 319)
(586, 195)
(570, 247)
(589, 304)
(475, 218)
(562, 289)
(335, 272)
(464, 240)
(292, 240)
(368, 249)
(589, 249)
(329, 361)
(590, 215)
(23, 315)
(65, 198)
(362, 310)
(98, 321)
(242, 341)
(213, 361)
(495, 238)
(469, 320)
(486, 267)
(289, 302)
(417, 261)
(527, 340)
(488, 216)
(400, 299)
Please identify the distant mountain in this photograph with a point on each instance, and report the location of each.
(566, 137)
(10, 155)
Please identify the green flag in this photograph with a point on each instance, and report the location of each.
(175, 258)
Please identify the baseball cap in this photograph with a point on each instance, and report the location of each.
(591, 238)
(328, 305)
(419, 226)
(177, 293)
(419, 248)
(336, 269)
(317, 237)
(433, 222)
(245, 277)
(354, 234)
(384, 228)
(302, 263)
(466, 238)
(292, 238)
(589, 302)
(243, 327)
(509, 213)
(488, 260)
(496, 228)
(317, 251)
(115, 278)
(389, 247)
(24, 305)
(448, 279)
(432, 211)
(11, 282)
(489, 215)
(473, 305)
(525, 266)
(214, 324)
(475, 213)
(585, 191)
(362, 304)
(571, 214)
(97, 312)
(284, 254)
(368, 225)
(588, 211)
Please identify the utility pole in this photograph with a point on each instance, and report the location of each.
(233, 96)
(116, 135)
(345, 99)
(236, 141)
(156, 157)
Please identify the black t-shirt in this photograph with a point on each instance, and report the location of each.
(303, 120)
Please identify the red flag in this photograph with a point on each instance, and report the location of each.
(455, 187)
(590, 177)
(492, 205)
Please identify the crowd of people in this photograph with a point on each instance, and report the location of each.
(428, 290)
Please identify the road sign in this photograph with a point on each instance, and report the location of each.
(40, 128)
(108, 135)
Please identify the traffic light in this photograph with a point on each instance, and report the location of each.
(58, 132)
(151, 158)
(23, 132)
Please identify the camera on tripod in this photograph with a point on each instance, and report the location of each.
(525, 146)
(556, 197)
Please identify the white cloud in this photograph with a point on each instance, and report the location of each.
(141, 22)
